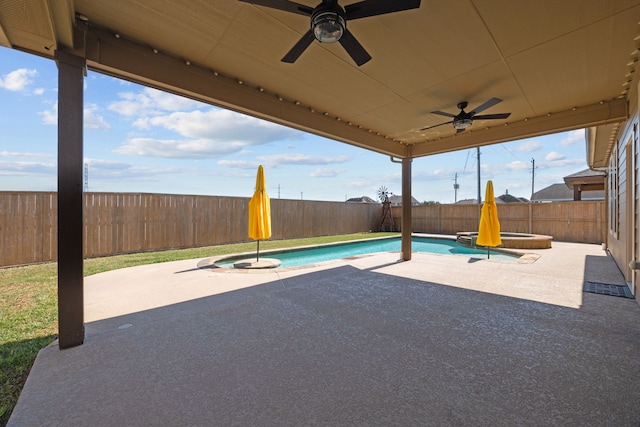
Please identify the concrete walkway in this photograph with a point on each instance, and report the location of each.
(439, 340)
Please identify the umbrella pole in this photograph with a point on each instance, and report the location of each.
(488, 252)
(258, 253)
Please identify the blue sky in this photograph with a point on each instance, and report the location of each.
(141, 140)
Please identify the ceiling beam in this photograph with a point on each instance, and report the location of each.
(124, 59)
(603, 112)
(62, 18)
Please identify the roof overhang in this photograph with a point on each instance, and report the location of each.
(600, 141)
(554, 69)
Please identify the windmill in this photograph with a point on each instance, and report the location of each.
(383, 196)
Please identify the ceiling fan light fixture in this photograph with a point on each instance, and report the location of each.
(462, 123)
(328, 27)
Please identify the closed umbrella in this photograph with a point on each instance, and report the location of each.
(489, 229)
(260, 212)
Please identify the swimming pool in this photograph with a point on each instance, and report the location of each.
(304, 256)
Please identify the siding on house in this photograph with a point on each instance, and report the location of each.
(623, 238)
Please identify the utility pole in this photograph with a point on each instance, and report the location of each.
(533, 176)
(456, 186)
(278, 191)
(479, 197)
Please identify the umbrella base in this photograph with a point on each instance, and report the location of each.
(253, 264)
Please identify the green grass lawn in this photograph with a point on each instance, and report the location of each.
(29, 311)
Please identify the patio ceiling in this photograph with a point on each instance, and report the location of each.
(558, 65)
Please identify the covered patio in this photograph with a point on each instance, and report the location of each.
(557, 66)
(366, 341)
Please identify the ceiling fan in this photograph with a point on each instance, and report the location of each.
(329, 22)
(463, 120)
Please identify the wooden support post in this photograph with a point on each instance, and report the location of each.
(577, 193)
(406, 209)
(71, 71)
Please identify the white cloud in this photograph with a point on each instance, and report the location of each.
(444, 173)
(38, 91)
(554, 156)
(529, 146)
(50, 117)
(176, 149)
(115, 170)
(517, 165)
(239, 164)
(573, 137)
(555, 159)
(301, 159)
(429, 175)
(326, 173)
(150, 102)
(205, 134)
(27, 168)
(142, 123)
(106, 164)
(17, 80)
(494, 170)
(275, 160)
(358, 185)
(91, 120)
(23, 155)
(223, 125)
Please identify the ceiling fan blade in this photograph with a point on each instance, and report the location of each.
(492, 116)
(443, 113)
(490, 103)
(354, 48)
(287, 6)
(435, 126)
(299, 47)
(368, 8)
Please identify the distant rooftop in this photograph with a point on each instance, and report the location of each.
(467, 202)
(363, 199)
(508, 198)
(586, 180)
(561, 193)
(396, 200)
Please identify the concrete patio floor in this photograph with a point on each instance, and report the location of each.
(440, 340)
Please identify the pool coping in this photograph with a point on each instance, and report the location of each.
(510, 240)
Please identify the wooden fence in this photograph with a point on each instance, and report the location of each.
(580, 222)
(118, 223)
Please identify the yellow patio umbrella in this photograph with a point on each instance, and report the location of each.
(489, 229)
(260, 211)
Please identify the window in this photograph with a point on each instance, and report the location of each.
(614, 189)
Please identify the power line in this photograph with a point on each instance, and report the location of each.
(509, 151)
(465, 162)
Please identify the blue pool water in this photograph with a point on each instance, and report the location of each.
(298, 257)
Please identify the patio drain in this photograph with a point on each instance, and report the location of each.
(605, 289)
